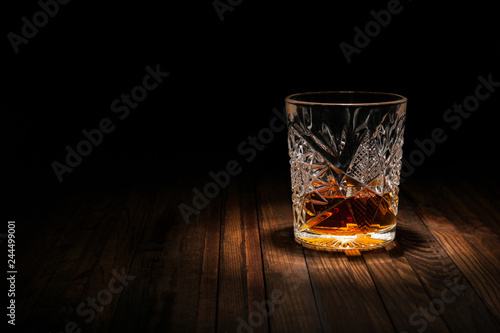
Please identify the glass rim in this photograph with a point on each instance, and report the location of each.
(396, 99)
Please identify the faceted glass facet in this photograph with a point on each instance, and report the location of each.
(345, 154)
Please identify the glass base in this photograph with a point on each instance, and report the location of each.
(361, 242)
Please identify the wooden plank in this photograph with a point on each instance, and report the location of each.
(398, 283)
(207, 306)
(254, 257)
(208, 276)
(241, 283)
(348, 297)
(80, 241)
(146, 267)
(400, 289)
(474, 201)
(480, 236)
(38, 251)
(470, 215)
(86, 267)
(475, 261)
(369, 293)
(114, 260)
(34, 228)
(169, 293)
(433, 257)
(285, 269)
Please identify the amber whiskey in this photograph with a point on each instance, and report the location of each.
(364, 213)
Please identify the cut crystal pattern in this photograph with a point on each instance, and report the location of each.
(338, 156)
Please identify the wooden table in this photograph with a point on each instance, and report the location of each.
(124, 260)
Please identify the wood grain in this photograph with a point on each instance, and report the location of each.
(285, 268)
(471, 252)
(241, 284)
(439, 276)
(236, 267)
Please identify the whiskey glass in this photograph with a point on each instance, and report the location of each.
(345, 152)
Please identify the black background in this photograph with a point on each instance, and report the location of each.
(225, 79)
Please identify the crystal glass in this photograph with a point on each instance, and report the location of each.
(345, 155)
